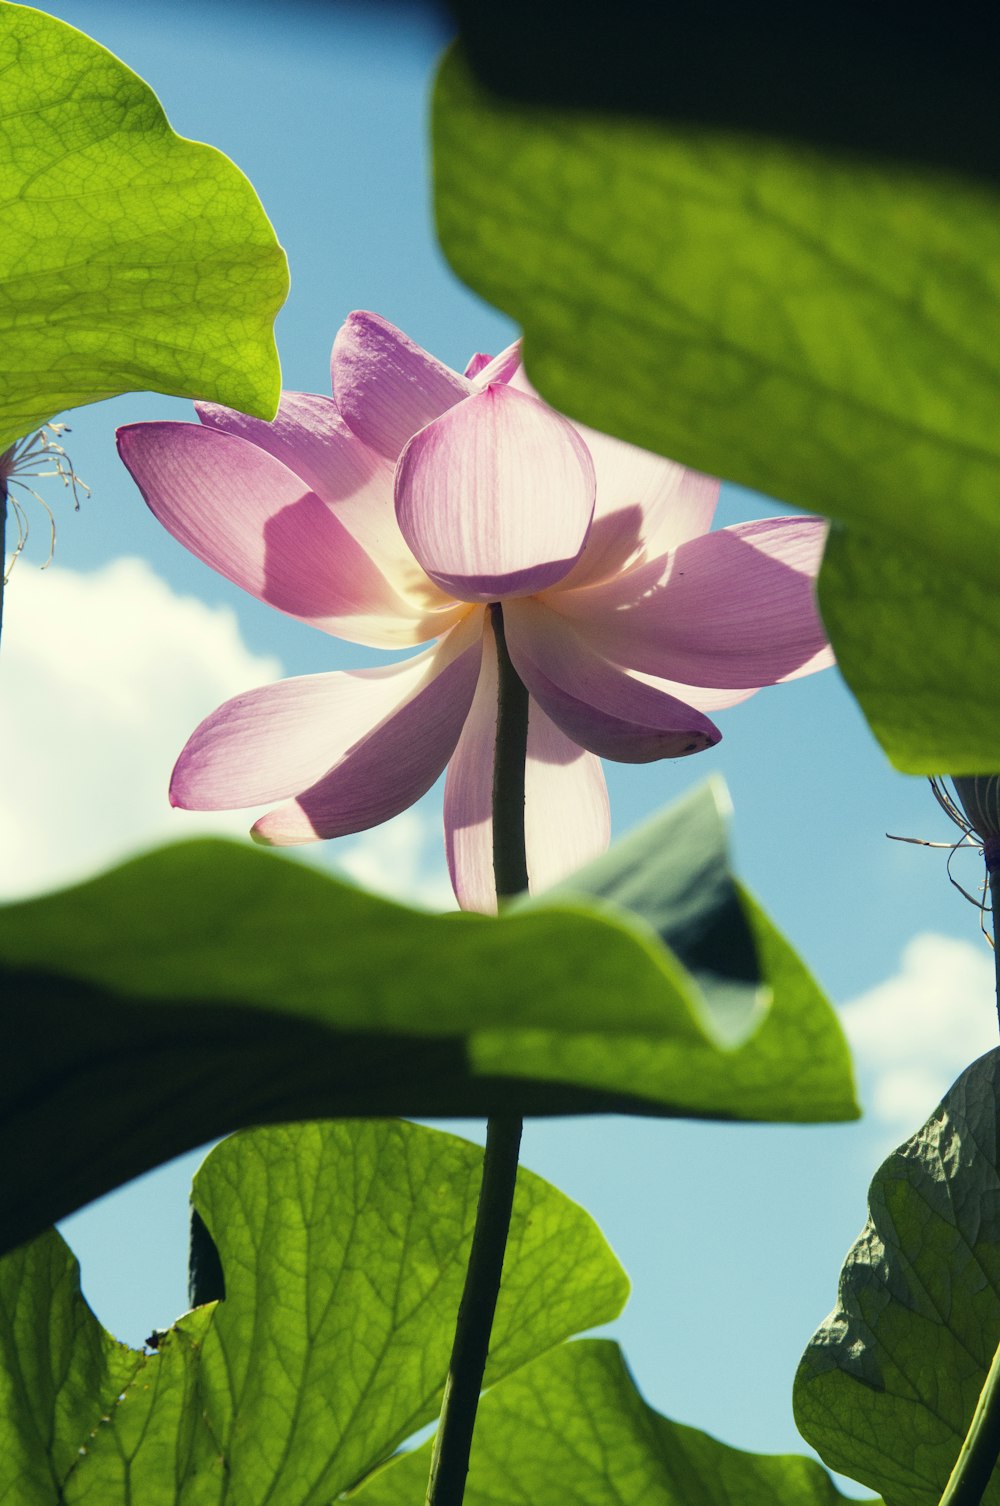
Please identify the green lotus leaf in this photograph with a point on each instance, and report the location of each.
(821, 327)
(130, 257)
(888, 1385)
(207, 986)
(571, 1426)
(343, 1251)
(865, 82)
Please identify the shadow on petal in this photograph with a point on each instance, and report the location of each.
(313, 568)
(393, 764)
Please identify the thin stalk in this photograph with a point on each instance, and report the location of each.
(510, 863)
(978, 1455)
(453, 1443)
(977, 1458)
(991, 850)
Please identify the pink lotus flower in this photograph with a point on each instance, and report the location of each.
(393, 515)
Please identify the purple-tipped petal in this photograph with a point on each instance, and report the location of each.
(566, 816)
(269, 743)
(385, 772)
(311, 439)
(355, 747)
(306, 434)
(495, 498)
(823, 658)
(476, 364)
(502, 368)
(245, 514)
(386, 386)
(280, 739)
(595, 702)
(646, 505)
(736, 608)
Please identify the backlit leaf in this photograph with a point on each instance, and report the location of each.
(821, 327)
(888, 1385)
(571, 1426)
(130, 258)
(343, 1249)
(208, 986)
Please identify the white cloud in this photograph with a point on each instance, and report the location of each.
(103, 677)
(915, 1033)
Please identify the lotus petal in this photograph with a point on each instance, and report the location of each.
(736, 608)
(310, 438)
(566, 816)
(646, 504)
(281, 739)
(595, 702)
(495, 498)
(386, 386)
(246, 515)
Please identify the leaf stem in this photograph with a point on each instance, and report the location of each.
(981, 1447)
(453, 1443)
(977, 1458)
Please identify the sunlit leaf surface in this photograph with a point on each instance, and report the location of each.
(130, 258)
(819, 327)
(571, 1426)
(888, 1385)
(207, 986)
(343, 1249)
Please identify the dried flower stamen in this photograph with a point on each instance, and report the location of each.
(38, 456)
(975, 810)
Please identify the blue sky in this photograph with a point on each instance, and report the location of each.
(733, 1237)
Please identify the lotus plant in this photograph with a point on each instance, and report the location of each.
(399, 513)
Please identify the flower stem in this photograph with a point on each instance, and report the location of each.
(977, 1458)
(991, 850)
(453, 1443)
(510, 863)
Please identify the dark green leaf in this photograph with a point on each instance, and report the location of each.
(571, 1426)
(795, 1067)
(130, 258)
(873, 77)
(915, 641)
(208, 985)
(344, 1249)
(889, 1383)
(817, 327)
(673, 871)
